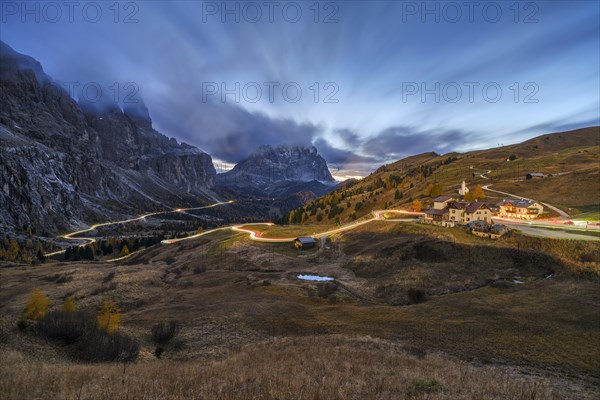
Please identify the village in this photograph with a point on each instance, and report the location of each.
(478, 216)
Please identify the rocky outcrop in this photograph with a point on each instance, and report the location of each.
(279, 171)
(64, 164)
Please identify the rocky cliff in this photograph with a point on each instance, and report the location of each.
(64, 164)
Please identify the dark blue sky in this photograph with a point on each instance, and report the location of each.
(393, 78)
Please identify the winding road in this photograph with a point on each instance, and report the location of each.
(253, 235)
(256, 236)
(558, 210)
(89, 240)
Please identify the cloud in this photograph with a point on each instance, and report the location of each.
(400, 141)
(558, 126)
(229, 132)
(334, 155)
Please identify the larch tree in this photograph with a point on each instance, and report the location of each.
(437, 190)
(109, 317)
(417, 205)
(478, 193)
(38, 305)
(69, 305)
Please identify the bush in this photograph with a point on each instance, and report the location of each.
(427, 385)
(109, 277)
(64, 279)
(22, 325)
(158, 352)
(199, 269)
(92, 343)
(416, 296)
(104, 289)
(163, 332)
(327, 290)
(102, 346)
(67, 326)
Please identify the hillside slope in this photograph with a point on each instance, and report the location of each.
(572, 158)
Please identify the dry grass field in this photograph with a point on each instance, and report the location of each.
(414, 312)
(311, 367)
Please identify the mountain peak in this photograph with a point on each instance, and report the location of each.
(272, 169)
(12, 63)
(266, 149)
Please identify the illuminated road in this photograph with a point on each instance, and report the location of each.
(535, 227)
(88, 240)
(558, 210)
(256, 236)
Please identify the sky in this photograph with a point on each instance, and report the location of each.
(367, 83)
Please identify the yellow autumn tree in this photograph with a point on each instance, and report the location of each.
(428, 189)
(38, 305)
(478, 193)
(470, 196)
(69, 305)
(417, 205)
(436, 190)
(124, 250)
(109, 317)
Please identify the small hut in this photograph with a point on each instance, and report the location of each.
(303, 243)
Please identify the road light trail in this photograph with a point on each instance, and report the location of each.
(89, 240)
(257, 236)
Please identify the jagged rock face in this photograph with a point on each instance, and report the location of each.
(128, 139)
(280, 171)
(283, 163)
(62, 163)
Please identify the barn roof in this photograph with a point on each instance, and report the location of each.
(459, 205)
(517, 203)
(441, 199)
(476, 205)
(306, 240)
(434, 211)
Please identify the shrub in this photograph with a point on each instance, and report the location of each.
(327, 290)
(158, 352)
(416, 296)
(199, 269)
(38, 305)
(69, 305)
(67, 326)
(427, 385)
(103, 289)
(22, 325)
(64, 279)
(170, 260)
(102, 346)
(109, 277)
(163, 332)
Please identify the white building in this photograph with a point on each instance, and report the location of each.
(463, 189)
